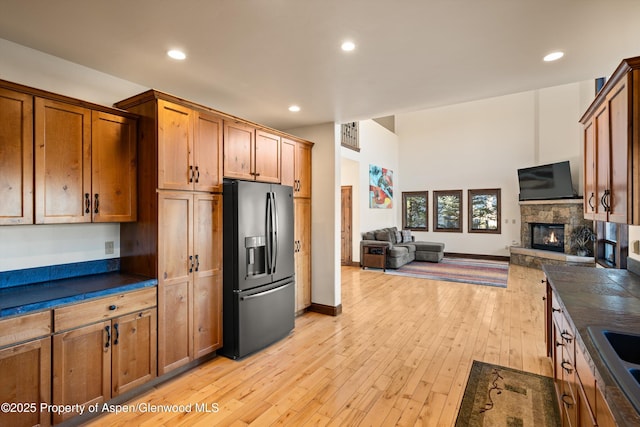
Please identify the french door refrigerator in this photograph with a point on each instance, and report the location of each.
(258, 269)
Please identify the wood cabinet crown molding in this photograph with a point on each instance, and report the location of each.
(153, 94)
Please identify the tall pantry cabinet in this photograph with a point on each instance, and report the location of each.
(178, 236)
(296, 172)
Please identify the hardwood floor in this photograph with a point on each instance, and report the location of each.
(399, 354)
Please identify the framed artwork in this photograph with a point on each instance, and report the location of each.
(415, 210)
(447, 211)
(380, 187)
(484, 211)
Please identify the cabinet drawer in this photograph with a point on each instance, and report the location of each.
(101, 309)
(23, 328)
(587, 379)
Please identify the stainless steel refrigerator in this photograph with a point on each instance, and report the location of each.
(258, 270)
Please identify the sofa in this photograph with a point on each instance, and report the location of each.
(401, 247)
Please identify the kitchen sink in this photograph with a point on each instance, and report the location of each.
(620, 351)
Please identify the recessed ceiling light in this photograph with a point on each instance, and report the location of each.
(177, 54)
(294, 108)
(348, 46)
(553, 56)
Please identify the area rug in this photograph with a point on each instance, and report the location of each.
(499, 396)
(465, 270)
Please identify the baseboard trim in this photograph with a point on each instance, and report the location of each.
(476, 256)
(326, 309)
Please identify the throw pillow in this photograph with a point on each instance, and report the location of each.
(398, 237)
(406, 236)
(383, 236)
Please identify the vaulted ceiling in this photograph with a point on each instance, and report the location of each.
(255, 58)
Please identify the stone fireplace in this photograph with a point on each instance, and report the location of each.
(545, 227)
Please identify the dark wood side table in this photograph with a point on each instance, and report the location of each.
(374, 256)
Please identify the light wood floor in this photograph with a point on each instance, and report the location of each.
(399, 354)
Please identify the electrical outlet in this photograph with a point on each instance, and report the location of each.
(108, 248)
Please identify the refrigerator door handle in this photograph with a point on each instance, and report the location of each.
(268, 233)
(261, 294)
(274, 231)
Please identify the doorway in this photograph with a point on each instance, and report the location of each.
(346, 238)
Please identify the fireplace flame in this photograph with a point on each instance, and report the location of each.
(552, 238)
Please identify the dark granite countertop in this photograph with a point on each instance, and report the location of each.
(49, 294)
(600, 297)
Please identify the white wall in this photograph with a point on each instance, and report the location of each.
(481, 144)
(379, 147)
(25, 246)
(325, 212)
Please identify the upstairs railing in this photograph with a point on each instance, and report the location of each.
(349, 138)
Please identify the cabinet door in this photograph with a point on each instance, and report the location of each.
(25, 370)
(207, 153)
(133, 354)
(82, 367)
(267, 157)
(590, 201)
(302, 249)
(175, 286)
(239, 151)
(303, 169)
(287, 163)
(619, 154)
(16, 158)
(175, 145)
(601, 122)
(207, 280)
(63, 162)
(113, 168)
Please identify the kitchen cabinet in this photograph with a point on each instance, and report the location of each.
(178, 237)
(102, 348)
(296, 166)
(302, 252)
(189, 148)
(250, 153)
(579, 398)
(190, 279)
(611, 138)
(25, 368)
(113, 168)
(64, 160)
(16, 157)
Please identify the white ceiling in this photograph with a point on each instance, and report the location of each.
(254, 58)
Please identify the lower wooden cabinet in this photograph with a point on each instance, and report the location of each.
(99, 359)
(25, 379)
(302, 252)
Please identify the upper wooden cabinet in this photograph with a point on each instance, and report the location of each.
(84, 156)
(611, 138)
(16, 157)
(186, 150)
(250, 153)
(113, 168)
(296, 166)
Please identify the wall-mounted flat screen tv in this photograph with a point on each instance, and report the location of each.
(545, 182)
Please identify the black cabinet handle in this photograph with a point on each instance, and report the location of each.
(197, 262)
(197, 174)
(591, 204)
(558, 344)
(108, 343)
(567, 404)
(556, 310)
(113, 307)
(115, 327)
(87, 203)
(566, 336)
(570, 369)
(190, 263)
(96, 204)
(190, 173)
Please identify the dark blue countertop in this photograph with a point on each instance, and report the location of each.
(18, 297)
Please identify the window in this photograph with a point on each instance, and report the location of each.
(447, 211)
(415, 210)
(484, 211)
(612, 244)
